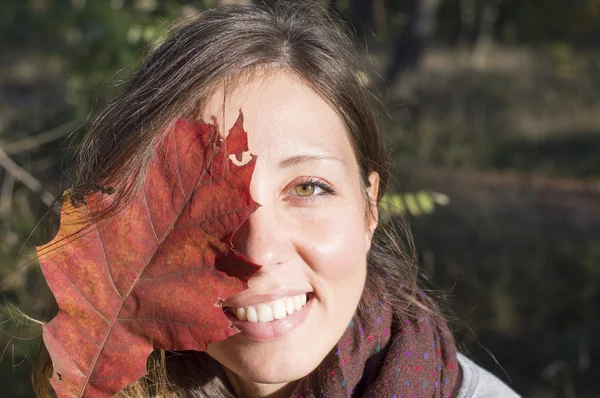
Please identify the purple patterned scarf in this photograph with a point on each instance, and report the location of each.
(387, 354)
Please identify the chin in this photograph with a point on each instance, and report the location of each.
(276, 375)
(269, 363)
(290, 357)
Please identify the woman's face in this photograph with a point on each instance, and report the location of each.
(310, 234)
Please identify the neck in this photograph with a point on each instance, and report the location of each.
(248, 389)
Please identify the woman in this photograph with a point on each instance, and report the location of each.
(334, 310)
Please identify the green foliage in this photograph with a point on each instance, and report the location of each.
(416, 204)
(94, 43)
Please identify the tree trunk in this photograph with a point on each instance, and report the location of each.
(467, 22)
(414, 39)
(379, 16)
(485, 37)
(361, 17)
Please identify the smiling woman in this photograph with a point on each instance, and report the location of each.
(310, 234)
(334, 309)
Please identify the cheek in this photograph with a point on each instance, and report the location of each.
(332, 241)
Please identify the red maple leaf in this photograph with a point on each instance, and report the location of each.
(151, 276)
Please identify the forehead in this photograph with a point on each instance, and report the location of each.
(283, 116)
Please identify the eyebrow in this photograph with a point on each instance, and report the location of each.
(294, 160)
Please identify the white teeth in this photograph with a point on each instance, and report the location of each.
(251, 314)
(278, 309)
(241, 314)
(266, 312)
(289, 305)
(297, 302)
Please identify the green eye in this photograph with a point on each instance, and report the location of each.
(305, 189)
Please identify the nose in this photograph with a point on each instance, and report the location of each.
(263, 239)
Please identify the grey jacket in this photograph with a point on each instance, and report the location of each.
(479, 383)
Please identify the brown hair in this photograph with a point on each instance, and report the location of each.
(217, 45)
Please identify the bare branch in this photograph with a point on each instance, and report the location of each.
(5, 208)
(6, 194)
(38, 140)
(22, 175)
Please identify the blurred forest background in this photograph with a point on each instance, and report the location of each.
(492, 103)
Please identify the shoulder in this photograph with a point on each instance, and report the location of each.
(479, 383)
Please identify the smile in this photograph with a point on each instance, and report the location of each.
(271, 320)
(267, 312)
